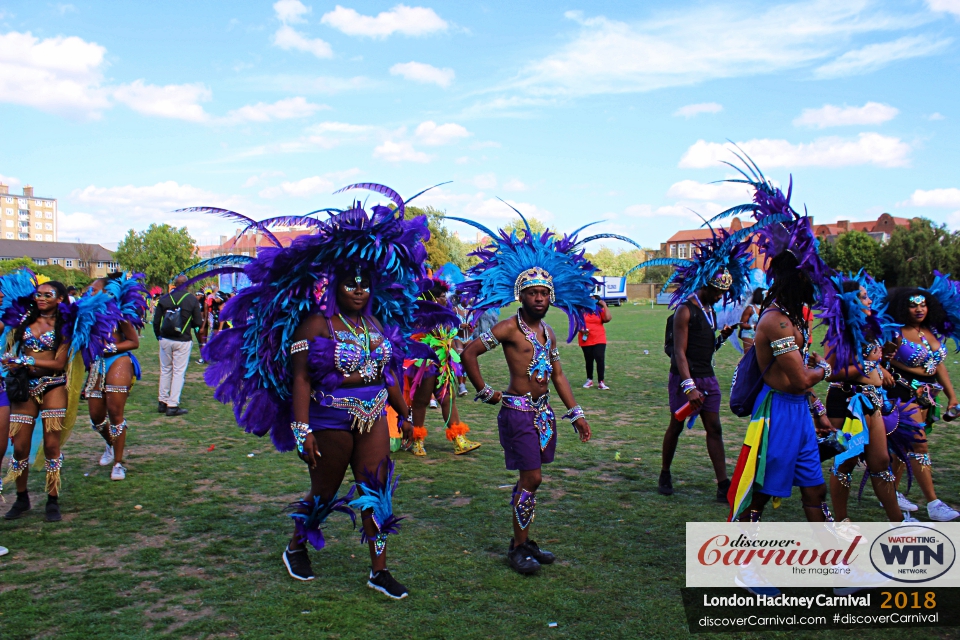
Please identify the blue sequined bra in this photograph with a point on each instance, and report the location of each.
(921, 354)
(44, 343)
(351, 356)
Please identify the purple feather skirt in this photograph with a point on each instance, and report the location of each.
(348, 408)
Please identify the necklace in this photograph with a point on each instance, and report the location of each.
(711, 317)
(364, 339)
(540, 365)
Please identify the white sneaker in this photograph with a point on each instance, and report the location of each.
(940, 511)
(107, 458)
(463, 390)
(119, 472)
(588, 384)
(4, 551)
(433, 403)
(905, 505)
(909, 518)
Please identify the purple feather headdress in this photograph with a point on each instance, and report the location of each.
(849, 326)
(947, 293)
(249, 363)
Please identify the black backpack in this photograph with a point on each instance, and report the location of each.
(668, 330)
(172, 325)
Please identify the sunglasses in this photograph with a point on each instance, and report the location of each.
(39, 295)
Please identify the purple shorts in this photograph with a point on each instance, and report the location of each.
(366, 403)
(708, 386)
(4, 400)
(528, 432)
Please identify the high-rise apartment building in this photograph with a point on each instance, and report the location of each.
(27, 217)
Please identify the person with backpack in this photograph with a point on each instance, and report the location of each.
(177, 312)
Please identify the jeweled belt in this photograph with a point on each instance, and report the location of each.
(543, 417)
(365, 413)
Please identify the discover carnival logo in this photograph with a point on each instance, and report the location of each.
(912, 553)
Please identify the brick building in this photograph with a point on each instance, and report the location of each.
(27, 217)
(683, 244)
(880, 229)
(92, 259)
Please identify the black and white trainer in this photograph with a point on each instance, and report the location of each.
(383, 582)
(298, 564)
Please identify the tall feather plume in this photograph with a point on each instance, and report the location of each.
(947, 292)
(249, 223)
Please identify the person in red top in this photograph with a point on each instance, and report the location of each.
(593, 341)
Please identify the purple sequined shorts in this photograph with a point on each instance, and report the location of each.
(4, 400)
(709, 386)
(366, 406)
(528, 432)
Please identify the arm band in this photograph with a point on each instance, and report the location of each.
(299, 346)
(489, 341)
(554, 355)
(784, 345)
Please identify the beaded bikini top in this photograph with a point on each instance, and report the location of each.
(541, 365)
(43, 343)
(914, 354)
(354, 355)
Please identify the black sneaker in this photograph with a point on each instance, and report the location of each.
(521, 560)
(161, 407)
(53, 512)
(298, 564)
(722, 488)
(176, 411)
(19, 508)
(383, 582)
(538, 554)
(665, 485)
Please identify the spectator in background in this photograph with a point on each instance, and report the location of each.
(72, 294)
(749, 319)
(205, 327)
(177, 312)
(593, 342)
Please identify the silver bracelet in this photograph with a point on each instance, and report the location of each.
(827, 369)
(573, 414)
(486, 395)
(488, 340)
(300, 431)
(299, 346)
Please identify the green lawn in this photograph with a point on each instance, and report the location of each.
(200, 557)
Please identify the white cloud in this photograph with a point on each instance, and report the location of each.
(314, 185)
(723, 191)
(704, 42)
(399, 152)
(669, 211)
(867, 148)
(694, 109)
(291, 11)
(178, 101)
(485, 181)
(423, 73)
(875, 56)
(479, 206)
(338, 127)
(75, 226)
(287, 109)
(832, 116)
(288, 38)
(432, 134)
(945, 198)
(410, 21)
(10, 181)
(259, 178)
(945, 6)
(935, 116)
(60, 75)
(462, 160)
(514, 185)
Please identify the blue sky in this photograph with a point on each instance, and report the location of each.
(571, 112)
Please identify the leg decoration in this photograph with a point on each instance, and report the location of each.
(379, 498)
(116, 388)
(16, 468)
(308, 516)
(52, 467)
(53, 419)
(524, 505)
(419, 435)
(116, 430)
(103, 429)
(846, 479)
(17, 420)
(886, 476)
(457, 434)
(923, 459)
(824, 509)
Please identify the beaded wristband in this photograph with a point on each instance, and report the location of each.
(818, 407)
(485, 395)
(827, 369)
(300, 431)
(110, 348)
(688, 385)
(299, 346)
(573, 414)
(489, 340)
(26, 361)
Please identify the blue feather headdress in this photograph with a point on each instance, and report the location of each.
(725, 253)
(849, 326)
(97, 316)
(947, 292)
(493, 283)
(250, 361)
(17, 288)
(778, 226)
(130, 294)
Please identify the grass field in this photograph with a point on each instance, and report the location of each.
(189, 545)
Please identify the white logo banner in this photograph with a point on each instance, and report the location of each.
(807, 554)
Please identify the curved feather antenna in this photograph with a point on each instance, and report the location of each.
(747, 160)
(742, 234)
(231, 260)
(525, 223)
(290, 221)
(747, 179)
(660, 262)
(417, 195)
(330, 210)
(472, 224)
(232, 215)
(736, 210)
(209, 274)
(705, 221)
(377, 188)
(589, 224)
(601, 236)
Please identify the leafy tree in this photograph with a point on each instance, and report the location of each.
(617, 263)
(443, 246)
(69, 277)
(517, 225)
(852, 251)
(9, 266)
(160, 252)
(912, 254)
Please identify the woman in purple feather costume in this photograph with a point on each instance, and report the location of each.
(114, 337)
(40, 347)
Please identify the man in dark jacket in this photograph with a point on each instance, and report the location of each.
(177, 313)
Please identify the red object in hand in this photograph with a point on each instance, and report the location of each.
(210, 448)
(683, 412)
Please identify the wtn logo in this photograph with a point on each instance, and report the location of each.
(900, 554)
